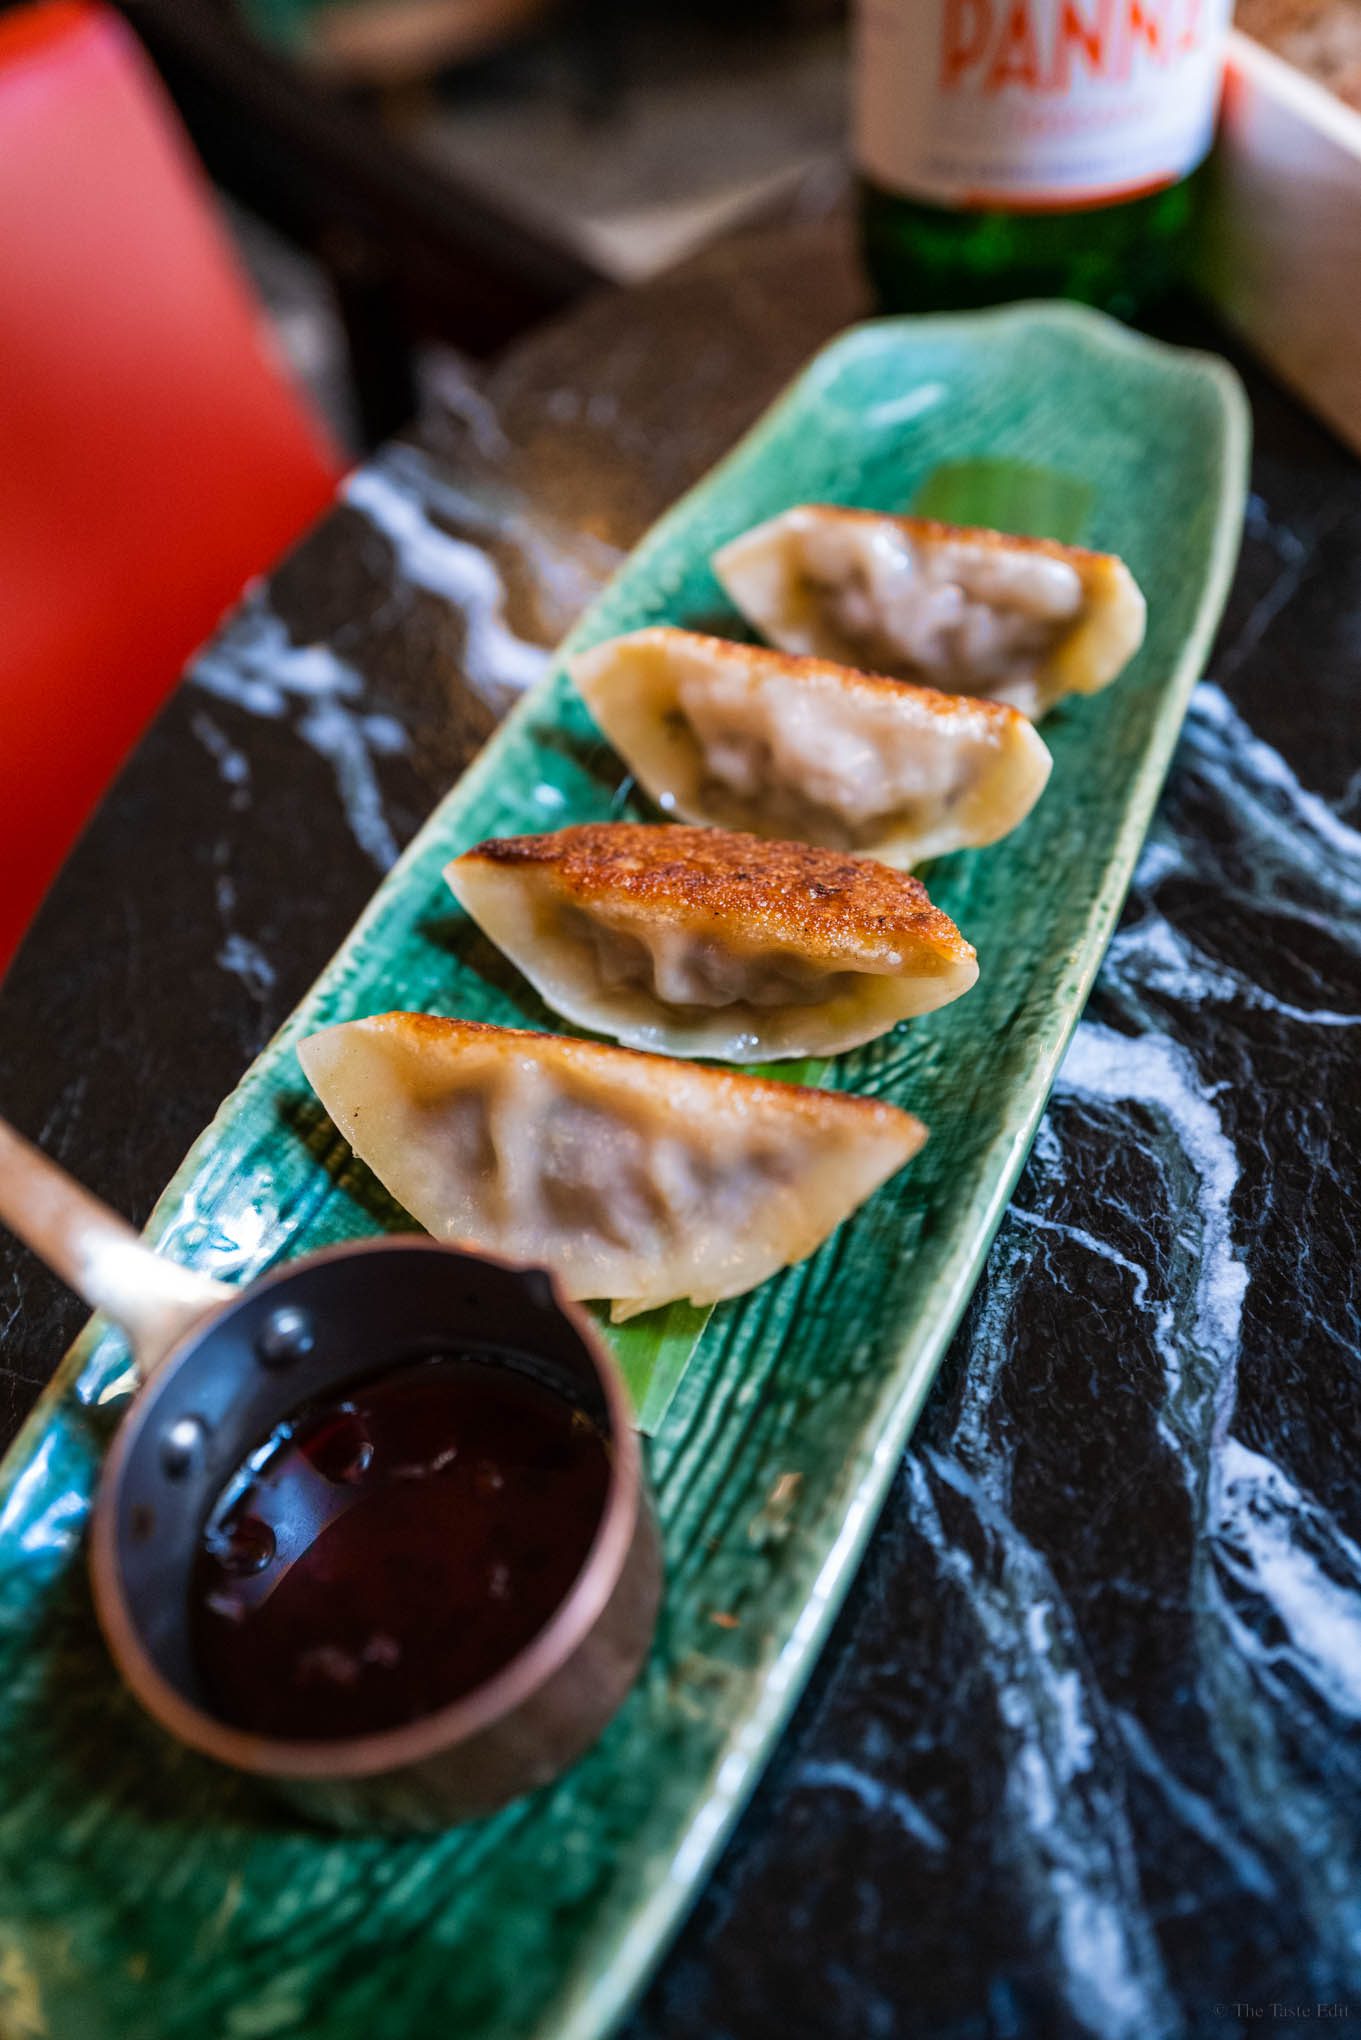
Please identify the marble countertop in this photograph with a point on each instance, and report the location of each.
(1082, 1752)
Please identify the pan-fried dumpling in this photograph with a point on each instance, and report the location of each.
(630, 1176)
(753, 739)
(1022, 620)
(701, 942)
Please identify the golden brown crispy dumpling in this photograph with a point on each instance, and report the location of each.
(1022, 620)
(748, 738)
(630, 1176)
(703, 942)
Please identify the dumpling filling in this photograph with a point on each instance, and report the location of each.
(810, 760)
(557, 1165)
(966, 618)
(679, 968)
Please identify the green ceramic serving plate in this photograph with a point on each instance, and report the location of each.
(145, 1895)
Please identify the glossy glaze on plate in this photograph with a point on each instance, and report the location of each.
(144, 1895)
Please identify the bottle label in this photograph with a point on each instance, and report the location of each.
(1031, 105)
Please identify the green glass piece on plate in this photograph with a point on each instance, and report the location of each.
(1008, 495)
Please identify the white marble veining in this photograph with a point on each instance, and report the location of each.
(1274, 1585)
(567, 568)
(492, 657)
(243, 958)
(1263, 1531)
(232, 763)
(873, 1794)
(1066, 1836)
(254, 664)
(1193, 1810)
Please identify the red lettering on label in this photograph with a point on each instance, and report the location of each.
(1145, 23)
(1191, 28)
(968, 26)
(1078, 33)
(1016, 60)
(1051, 46)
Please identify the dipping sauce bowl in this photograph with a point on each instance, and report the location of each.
(237, 1386)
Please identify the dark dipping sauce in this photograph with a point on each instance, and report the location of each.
(383, 1554)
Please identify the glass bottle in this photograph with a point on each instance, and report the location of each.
(1032, 148)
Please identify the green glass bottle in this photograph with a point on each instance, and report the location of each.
(1032, 148)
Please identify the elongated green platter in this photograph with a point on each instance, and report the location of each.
(145, 1895)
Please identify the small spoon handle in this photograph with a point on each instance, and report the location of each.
(99, 1255)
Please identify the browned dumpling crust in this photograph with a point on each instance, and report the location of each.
(711, 942)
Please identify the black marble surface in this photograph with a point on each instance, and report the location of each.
(1082, 1753)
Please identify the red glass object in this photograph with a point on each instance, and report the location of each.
(153, 451)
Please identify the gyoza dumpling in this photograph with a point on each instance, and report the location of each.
(702, 942)
(1022, 620)
(753, 739)
(630, 1176)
